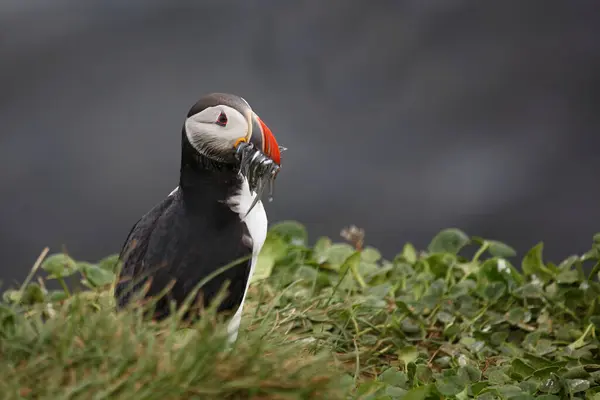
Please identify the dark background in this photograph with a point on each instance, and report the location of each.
(402, 117)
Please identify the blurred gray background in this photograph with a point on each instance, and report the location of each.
(402, 117)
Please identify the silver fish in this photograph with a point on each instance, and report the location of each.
(259, 169)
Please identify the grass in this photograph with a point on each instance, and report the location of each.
(331, 321)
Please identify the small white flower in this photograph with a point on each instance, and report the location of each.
(502, 267)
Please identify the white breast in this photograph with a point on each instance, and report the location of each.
(256, 222)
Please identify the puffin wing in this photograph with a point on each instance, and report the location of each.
(182, 244)
(134, 251)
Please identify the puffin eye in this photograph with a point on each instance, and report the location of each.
(222, 119)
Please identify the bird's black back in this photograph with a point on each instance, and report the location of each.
(185, 238)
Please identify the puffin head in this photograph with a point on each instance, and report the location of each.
(223, 129)
(219, 125)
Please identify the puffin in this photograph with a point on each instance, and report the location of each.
(214, 217)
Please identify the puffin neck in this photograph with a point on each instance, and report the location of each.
(200, 174)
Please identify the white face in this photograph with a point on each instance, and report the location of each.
(214, 131)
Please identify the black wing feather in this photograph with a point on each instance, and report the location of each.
(185, 242)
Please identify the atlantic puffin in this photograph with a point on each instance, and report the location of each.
(213, 217)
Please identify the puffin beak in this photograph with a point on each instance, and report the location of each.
(262, 138)
(260, 167)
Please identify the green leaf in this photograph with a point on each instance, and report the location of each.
(423, 374)
(395, 392)
(529, 386)
(272, 251)
(545, 373)
(306, 273)
(110, 263)
(536, 361)
(369, 387)
(450, 385)
(338, 253)
(407, 354)
(596, 240)
(516, 315)
(595, 271)
(578, 385)
(508, 390)
(522, 396)
(497, 377)
(521, 368)
(568, 277)
(59, 266)
(532, 264)
(292, 232)
(568, 262)
(449, 240)
(351, 263)
(370, 255)
(499, 249)
(494, 291)
(418, 393)
(11, 296)
(368, 269)
(445, 318)
(57, 296)
(578, 372)
(33, 294)
(393, 377)
(478, 387)
(96, 276)
(321, 250)
(409, 253)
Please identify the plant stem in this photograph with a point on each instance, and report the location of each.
(64, 286)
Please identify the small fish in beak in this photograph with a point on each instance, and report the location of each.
(259, 169)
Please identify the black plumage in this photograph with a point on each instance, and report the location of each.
(208, 235)
(191, 233)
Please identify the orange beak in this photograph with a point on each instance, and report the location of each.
(263, 139)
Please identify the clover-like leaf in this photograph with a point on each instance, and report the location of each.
(409, 253)
(578, 385)
(11, 296)
(494, 291)
(393, 377)
(568, 277)
(469, 374)
(110, 263)
(418, 393)
(521, 368)
(57, 296)
(338, 253)
(499, 249)
(273, 250)
(532, 264)
(292, 232)
(32, 294)
(59, 266)
(449, 240)
(407, 354)
(96, 276)
(450, 385)
(321, 250)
